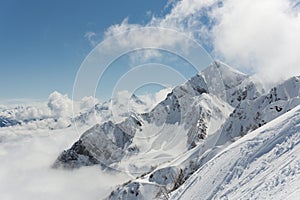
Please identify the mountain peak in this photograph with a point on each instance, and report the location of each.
(226, 68)
(224, 73)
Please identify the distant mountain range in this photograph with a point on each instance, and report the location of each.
(46, 116)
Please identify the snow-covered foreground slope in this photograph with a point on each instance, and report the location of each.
(265, 164)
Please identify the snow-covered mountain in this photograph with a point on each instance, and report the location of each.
(187, 116)
(244, 96)
(167, 147)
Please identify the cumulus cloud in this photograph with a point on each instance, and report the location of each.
(56, 113)
(87, 103)
(259, 37)
(32, 112)
(254, 36)
(60, 111)
(60, 105)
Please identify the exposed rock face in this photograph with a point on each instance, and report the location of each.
(5, 122)
(102, 144)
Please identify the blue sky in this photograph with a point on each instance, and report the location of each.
(43, 43)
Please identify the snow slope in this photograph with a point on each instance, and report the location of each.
(265, 164)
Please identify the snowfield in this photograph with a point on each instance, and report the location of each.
(265, 164)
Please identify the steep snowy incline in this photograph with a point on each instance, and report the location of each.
(264, 164)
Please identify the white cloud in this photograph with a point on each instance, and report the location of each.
(154, 36)
(153, 99)
(60, 105)
(259, 36)
(25, 170)
(91, 37)
(11, 103)
(32, 112)
(59, 111)
(170, 3)
(126, 34)
(87, 103)
(162, 94)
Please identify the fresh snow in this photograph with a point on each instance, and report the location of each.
(265, 164)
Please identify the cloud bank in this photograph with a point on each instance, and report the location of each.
(25, 171)
(61, 112)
